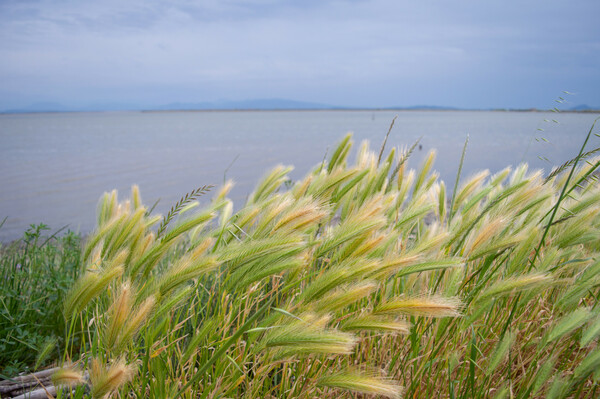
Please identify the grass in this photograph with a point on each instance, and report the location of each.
(358, 280)
(36, 272)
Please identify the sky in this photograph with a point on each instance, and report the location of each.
(350, 53)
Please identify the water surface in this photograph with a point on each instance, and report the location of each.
(55, 166)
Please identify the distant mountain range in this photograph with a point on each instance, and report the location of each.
(254, 104)
(57, 107)
(264, 103)
(584, 107)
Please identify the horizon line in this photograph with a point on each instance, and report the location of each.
(306, 109)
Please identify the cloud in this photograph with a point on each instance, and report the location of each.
(344, 52)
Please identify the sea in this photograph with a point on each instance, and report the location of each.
(55, 166)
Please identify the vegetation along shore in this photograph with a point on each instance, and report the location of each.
(333, 286)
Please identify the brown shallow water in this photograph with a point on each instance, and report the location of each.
(55, 166)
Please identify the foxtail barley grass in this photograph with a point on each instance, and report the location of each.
(355, 267)
(68, 376)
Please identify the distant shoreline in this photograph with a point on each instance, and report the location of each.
(366, 110)
(532, 110)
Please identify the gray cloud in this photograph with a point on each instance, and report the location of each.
(356, 53)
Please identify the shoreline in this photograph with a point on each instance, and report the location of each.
(225, 110)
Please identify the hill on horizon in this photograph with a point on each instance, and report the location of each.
(251, 104)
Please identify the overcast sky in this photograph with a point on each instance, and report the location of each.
(380, 53)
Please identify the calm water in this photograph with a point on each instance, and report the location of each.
(55, 166)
